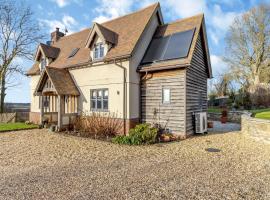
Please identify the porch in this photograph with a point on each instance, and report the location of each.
(58, 98)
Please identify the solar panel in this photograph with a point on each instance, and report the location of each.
(170, 47)
(156, 49)
(74, 51)
(179, 45)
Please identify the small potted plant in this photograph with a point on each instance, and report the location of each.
(210, 124)
(224, 116)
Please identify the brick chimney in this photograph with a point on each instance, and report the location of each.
(56, 35)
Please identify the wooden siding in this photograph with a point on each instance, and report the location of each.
(49, 103)
(196, 85)
(70, 104)
(151, 99)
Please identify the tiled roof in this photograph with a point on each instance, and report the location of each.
(61, 79)
(128, 29)
(49, 51)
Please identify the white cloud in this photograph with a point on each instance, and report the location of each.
(218, 65)
(109, 9)
(63, 3)
(186, 8)
(67, 22)
(220, 19)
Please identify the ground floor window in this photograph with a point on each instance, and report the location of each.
(99, 99)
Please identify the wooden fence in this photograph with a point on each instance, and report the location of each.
(14, 117)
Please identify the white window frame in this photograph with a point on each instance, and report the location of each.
(99, 48)
(164, 101)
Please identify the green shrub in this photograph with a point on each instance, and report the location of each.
(141, 134)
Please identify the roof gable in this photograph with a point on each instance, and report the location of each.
(104, 33)
(63, 86)
(47, 51)
(186, 24)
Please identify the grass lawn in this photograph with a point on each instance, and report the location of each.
(261, 113)
(15, 126)
(214, 110)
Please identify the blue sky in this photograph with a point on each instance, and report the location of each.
(79, 14)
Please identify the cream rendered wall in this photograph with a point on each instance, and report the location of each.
(134, 76)
(34, 99)
(110, 76)
(100, 76)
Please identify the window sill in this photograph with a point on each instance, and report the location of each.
(99, 110)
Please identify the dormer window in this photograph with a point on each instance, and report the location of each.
(98, 51)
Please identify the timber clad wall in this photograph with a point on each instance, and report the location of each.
(196, 85)
(151, 100)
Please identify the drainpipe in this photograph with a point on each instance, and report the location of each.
(124, 93)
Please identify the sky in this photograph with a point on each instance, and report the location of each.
(76, 15)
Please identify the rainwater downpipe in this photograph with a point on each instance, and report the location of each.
(124, 92)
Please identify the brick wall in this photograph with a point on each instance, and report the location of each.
(34, 117)
(258, 129)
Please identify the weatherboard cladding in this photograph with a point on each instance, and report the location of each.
(196, 84)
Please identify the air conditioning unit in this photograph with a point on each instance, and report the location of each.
(201, 122)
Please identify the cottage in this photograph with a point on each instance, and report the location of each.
(134, 65)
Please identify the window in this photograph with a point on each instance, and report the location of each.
(74, 51)
(99, 99)
(166, 95)
(98, 51)
(42, 64)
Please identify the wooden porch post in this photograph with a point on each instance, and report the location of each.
(41, 109)
(60, 111)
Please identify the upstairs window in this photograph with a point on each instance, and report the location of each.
(43, 64)
(73, 52)
(98, 51)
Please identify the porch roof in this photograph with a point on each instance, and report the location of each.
(61, 80)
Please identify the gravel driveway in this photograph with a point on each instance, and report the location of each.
(38, 164)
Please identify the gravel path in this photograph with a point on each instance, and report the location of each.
(40, 165)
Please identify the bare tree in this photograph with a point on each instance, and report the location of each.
(248, 46)
(19, 34)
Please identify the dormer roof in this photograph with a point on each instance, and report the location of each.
(104, 33)
(47, 51)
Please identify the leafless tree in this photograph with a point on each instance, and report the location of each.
(19, 34)
(248, 46)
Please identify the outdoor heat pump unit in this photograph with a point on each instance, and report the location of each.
(200, 122)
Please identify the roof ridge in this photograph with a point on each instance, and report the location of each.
(183, 19)
(152, 5)
(89, 28)
(85, 29)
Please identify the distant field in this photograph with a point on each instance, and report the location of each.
(15, 126)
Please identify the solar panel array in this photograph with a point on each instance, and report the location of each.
(169, 47)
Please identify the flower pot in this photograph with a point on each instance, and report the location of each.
(223, 120)
(210, 124)
(165, 138)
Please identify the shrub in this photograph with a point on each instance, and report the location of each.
(141, 134)
(98, 125)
